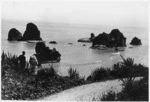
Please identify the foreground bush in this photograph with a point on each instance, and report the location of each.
(99, 74)
(9, 61)
(133, 90)
(73, 73)
(125, 71)
(138, 92)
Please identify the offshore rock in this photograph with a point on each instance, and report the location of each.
(101, 39)
(88, 40)
(136, 41)
(53, 42)
(118, 38)
(114, 39)
(32, 32)
(14, 35)
(84, 40)
(44, 53)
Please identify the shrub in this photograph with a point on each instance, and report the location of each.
(110, 96)
(126, 71)
(46, 73)
(100, 74)
(9, 60)
(139, 92)
(73, 73)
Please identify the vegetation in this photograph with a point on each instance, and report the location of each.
(125, 71)
(99, 74)
(138, 92)
(73, 73)
(24, 85)
(133, 90)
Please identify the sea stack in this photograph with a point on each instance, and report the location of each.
(136, 41)
(32, 32)
(14, 35)
(118, 37)
(114, 39)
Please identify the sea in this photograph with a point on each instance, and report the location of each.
(82, 58)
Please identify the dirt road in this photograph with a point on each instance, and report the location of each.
(86, 92)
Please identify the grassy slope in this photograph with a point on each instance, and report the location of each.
(22, 85)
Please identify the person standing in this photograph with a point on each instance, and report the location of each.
(22, 61)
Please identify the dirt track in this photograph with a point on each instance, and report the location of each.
(86, 92)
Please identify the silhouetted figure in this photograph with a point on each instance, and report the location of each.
(22, 61)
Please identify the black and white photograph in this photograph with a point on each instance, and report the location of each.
(75, 50)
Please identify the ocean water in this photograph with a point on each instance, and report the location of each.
(77, 56)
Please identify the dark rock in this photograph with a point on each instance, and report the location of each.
(114, 39)
(44, 53)
(14, 35)
(101, 39)
(84, 40)
(87, 39)
(32, 32)
(84, 45)
(70, 43)
(130, 47)
(92, 36)
(136, 41)
(118, 38)
(53, 42)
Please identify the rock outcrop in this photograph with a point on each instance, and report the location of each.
(53, 42)
(84, 40)
(101, 39)
(114, 39)
(136, 41)
(44, 53)
(32, 32)
(92, 37)
(87, 39)
(14, 35)
(118, 38)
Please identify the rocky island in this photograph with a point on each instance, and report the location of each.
(45, 54)
(114, 39)
(14, 35)
(136, 41)
(31, 33)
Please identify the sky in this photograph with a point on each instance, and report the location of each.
(115, 13)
